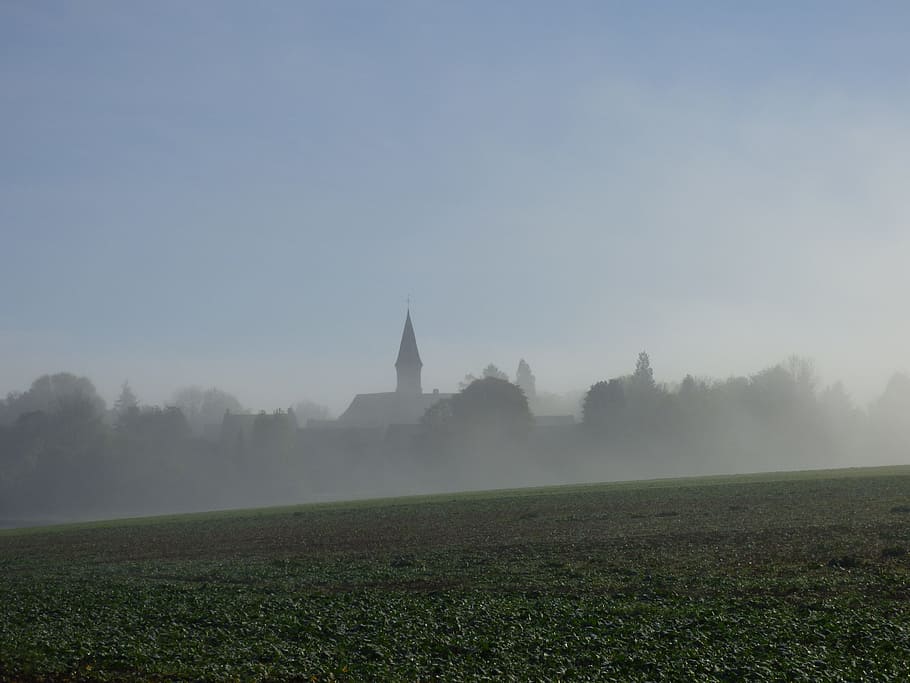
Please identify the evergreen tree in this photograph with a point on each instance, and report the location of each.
(525, 379)
(643, 377)
(127, 400)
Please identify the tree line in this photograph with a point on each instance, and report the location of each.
(64, 454)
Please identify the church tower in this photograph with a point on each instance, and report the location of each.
(408, 364)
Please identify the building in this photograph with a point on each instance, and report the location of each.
(404, 406)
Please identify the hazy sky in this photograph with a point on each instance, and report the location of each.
(243, 194)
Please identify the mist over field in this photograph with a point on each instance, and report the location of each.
(633, 244)
(66, 455)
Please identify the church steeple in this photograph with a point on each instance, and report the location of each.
(408, 364)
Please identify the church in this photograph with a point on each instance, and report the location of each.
(404, 406)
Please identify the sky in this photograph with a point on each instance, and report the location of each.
(243, 195)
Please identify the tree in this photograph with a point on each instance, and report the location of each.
(525, 379)
(468, 380)
(205, 407)
(803, 372)
(842, 420)
(894, 403)
(494, 372)
(439, 417)
(310, 410)
(774, 392)
(688, 386)
(49, 392)
(546, 403)
(489, 412)
(153, 429)
(890, 417)
(643, 378)
(127, 400)
(836, 401)
(489, 371)
(603, 405)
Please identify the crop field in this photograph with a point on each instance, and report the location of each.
(790, 577)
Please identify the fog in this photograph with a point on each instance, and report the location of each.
(66, 455)
(232, 208)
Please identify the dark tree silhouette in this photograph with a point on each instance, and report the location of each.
(490, 411)
(493, 406)
(603, 405)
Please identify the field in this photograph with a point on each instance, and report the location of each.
(780, 577)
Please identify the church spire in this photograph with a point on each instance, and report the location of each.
(408, 364)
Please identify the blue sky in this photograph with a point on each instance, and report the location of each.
(243, 194)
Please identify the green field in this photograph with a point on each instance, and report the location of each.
(780, 577)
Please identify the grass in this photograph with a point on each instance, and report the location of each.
(801, 576)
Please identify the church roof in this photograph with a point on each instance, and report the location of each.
(382, 410)
(407, 351)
